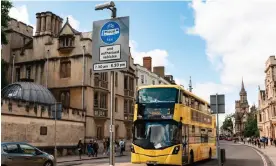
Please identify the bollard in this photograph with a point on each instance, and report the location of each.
(222, 156)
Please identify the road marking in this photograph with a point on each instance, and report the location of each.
(262, 156)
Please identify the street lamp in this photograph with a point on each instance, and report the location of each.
(111, 6)
(108, 5)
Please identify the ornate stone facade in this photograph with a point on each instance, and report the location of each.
(60, 58)
(241, 112)
(266, 114)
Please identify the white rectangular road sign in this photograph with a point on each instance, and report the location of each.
(110, 66)
(110, 52)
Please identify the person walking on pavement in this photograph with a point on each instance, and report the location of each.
(95, 147)
(80, 147)
(107, 146)
(122, 146)
(89, 149)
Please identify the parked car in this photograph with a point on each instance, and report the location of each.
(229, 139)
(19, 153)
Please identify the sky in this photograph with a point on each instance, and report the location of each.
(216, 42)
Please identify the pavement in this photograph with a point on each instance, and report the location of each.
(72, 158)
(269, 152)
(236, 155)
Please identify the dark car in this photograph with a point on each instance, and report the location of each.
(19, 153)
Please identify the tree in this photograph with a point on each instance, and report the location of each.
(5, 8)
(228, 124)
(251, 127)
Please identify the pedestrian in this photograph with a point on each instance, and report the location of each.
(104, 145)
(275, 142)
(271, 140)
(259, 143)
(96, 148)
(122, 146)
(80, 148)
(89, 149)
(266, 141)
(107, 146)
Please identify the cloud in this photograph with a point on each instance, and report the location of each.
(159, 56)
(238, 41)
(206, 89)
(20, 13)
(74, 22)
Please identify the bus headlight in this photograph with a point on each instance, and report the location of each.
(132, 149)
(176, 149)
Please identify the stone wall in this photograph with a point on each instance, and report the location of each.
(23, 124)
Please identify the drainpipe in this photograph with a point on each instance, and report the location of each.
(13, 57)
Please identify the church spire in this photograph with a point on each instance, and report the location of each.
(242, 88)
(190, 85)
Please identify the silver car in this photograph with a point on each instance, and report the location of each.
(18, 153)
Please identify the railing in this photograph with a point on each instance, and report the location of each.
(100, 113)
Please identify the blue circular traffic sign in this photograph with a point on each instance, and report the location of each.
(110, 32)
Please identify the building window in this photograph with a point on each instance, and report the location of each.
(130, 107)
(142, 79)
(28, 72)
(116, 79)
(260, 117)
(65, 98)
(153, 82)
(66, 42)
(96, 99)
(125, 106)
(99, 132)
(160, 82)
(43, 130)
(17, 74)
(274, 111)
(126, 82)
(103, 76)
(131, 84)
(116, 104)
(103, 100)
(65, 69)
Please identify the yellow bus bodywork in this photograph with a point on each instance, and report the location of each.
(165, 156)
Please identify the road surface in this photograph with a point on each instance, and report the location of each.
(236, 155)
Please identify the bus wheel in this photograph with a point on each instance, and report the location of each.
(210, 154)
(191, 160)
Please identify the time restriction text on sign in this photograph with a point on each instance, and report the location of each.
(110, 52)
(109, 66)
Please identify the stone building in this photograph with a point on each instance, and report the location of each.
(266, 113)
(147, 76)
(60, 58)
(241, 112)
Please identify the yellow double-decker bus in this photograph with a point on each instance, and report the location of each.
(172, 127)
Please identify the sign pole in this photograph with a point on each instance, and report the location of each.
(111, 130)
(218, 147)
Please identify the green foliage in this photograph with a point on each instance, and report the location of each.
(5, 8)
(251, 127)
(227, 124)
(4, 66)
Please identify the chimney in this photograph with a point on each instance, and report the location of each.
(159, 70)
(47, 23)
(147, 63)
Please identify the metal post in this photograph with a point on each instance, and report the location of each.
(47, 68)
(111, 135)
(218, 147)
(55, 153)
(13, 57)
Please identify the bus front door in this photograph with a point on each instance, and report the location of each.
(185, 137)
